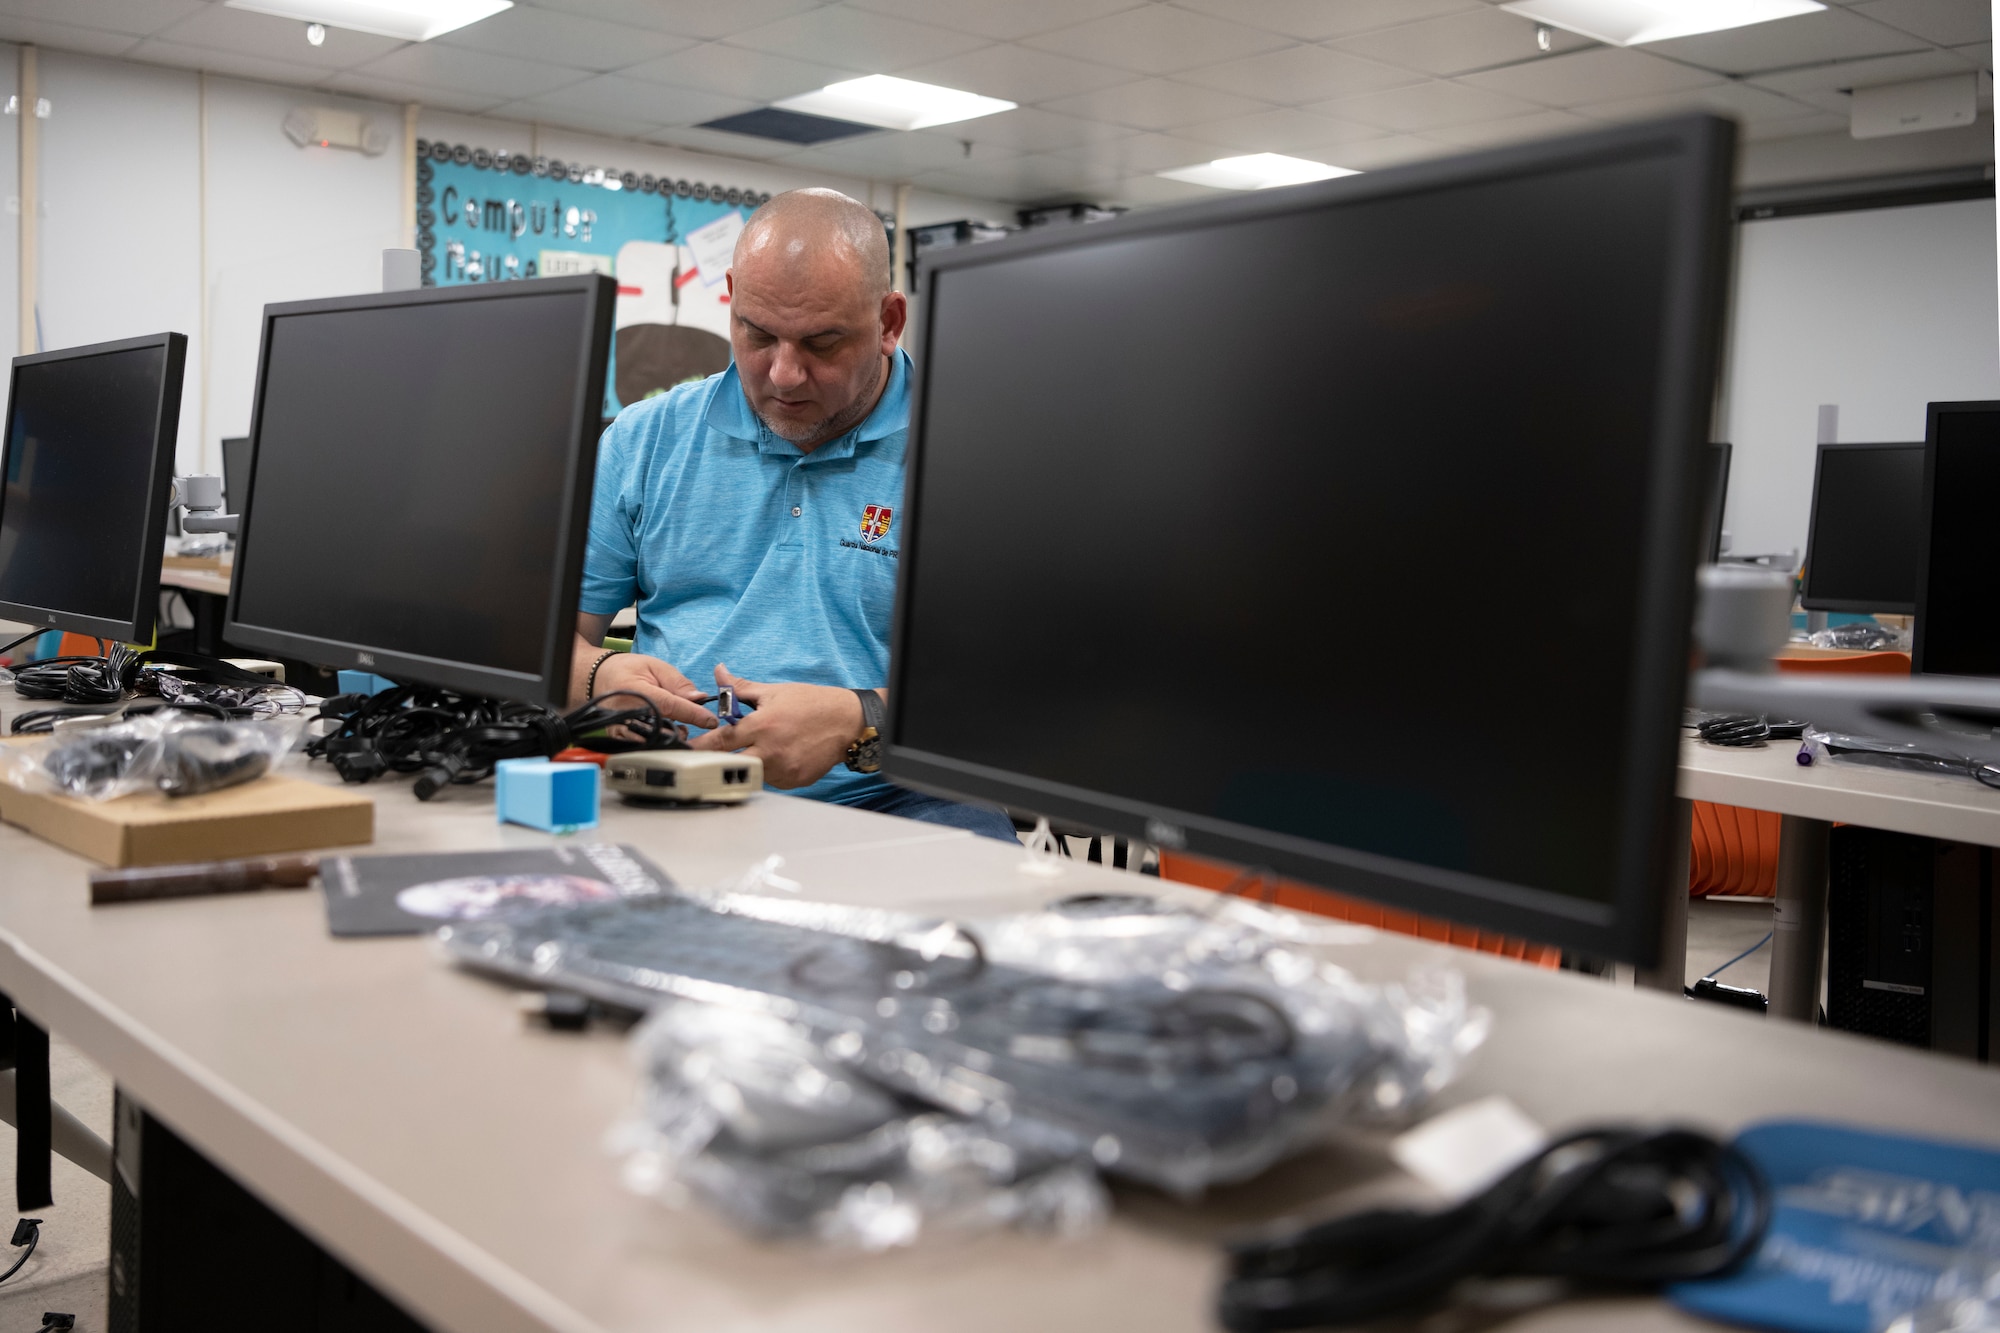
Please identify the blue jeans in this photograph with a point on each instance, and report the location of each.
(889, 799)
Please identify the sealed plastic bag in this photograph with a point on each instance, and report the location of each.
(168, 750)
(1176, 1048)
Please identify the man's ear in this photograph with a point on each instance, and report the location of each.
(729, 283)
(895, 318)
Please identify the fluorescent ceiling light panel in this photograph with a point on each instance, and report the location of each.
(1257, 171)
(1631, 22)
(410, 20)
(894, 104)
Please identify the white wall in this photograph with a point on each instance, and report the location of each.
(1880, 312)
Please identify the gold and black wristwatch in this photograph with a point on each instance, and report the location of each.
(865, 754)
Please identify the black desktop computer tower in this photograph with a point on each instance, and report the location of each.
(1910, 941)
(191, 1248)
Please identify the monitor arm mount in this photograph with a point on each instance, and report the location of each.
(1744, 618)
(201, 498)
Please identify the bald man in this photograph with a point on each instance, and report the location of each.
(753, 517)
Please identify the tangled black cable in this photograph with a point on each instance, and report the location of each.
(1625, 1207)
(445, 737)
(80, 680)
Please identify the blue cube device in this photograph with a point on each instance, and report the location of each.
(540, 793)
(364, 682)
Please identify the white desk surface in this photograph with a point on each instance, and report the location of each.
(1957, 809)
(399, 1112)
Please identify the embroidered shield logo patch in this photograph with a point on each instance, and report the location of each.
(875, 522)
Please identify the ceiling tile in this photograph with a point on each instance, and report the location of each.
(1746, 103)
(65, 36)
(1031, 129)
(1842, 75)
(686, 18)
(1148, 191)
(1317, 20)
(1157, 40)
(1020, 180)
(644, 104)
(719, 142)
(1287, 130)
(1005, 20)
(1389, 151)
(155, 51)
(1300, 74)
(1980, 53)
(873, 43)
(1018, 73)
(1809, 39)
(1425, 106)
(1946, 22)
(240, 32)
(1140, 153)
(1156, 104)
(566, 39)
(455, 69)
(734, 72)
(397, 90)
(138, 17)
(1797, 129)
(1514, 129)
(572, 118)
(899, 154)
(1596, 75)
(1456, 43)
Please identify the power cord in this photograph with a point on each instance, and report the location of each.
(28, 1232)
(446, 738)
(1634, 1208)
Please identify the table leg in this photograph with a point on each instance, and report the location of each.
(1798, 940)
(1670, 972)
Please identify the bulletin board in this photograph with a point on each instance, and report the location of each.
(500, 217)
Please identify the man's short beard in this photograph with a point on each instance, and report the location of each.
(826, 428)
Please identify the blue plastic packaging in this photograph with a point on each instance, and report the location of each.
(543, 794)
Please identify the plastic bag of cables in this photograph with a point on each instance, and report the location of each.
(1169, 1047)
(1874, 753)
(1966, 1296)
(166, 751)
(747, 1114)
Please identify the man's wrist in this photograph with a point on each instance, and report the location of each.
(864, 755)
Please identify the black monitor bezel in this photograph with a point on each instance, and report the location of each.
(1807, 597)
(166, 438)
(549, 685)
(229, 496)
(1932, 411)
(1627, 926)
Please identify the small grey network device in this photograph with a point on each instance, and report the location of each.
(684, 777)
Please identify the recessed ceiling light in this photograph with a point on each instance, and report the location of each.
(1630, 22)
(894, 104)
(410, 20)
(1257, 171)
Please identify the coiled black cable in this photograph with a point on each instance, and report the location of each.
(1624, 1207)
(445, 737)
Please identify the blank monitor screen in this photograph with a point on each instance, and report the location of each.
(1347, 530)
(1866, 543)
(1958, 609)
(89, 458)
(235, 472)
(420, 483)
(1714, 501)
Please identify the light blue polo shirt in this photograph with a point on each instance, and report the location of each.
(738, 548)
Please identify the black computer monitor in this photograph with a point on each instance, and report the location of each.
(1865, 544)
(1252, 526)
(1714, 500)
(420, 483)
(235, 472)
(89, 463)
(1958, 595)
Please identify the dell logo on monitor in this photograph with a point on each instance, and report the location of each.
(364, 659)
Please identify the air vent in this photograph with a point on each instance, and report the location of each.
(789, 126)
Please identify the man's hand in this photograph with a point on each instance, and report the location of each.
(666, 688)
(799, 731)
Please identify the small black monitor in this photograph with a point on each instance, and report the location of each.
(421, 468)
(235, 472)
(1303, 475)
(1866, 541)
(1958, 597)
(88, 469)
(1714, 500)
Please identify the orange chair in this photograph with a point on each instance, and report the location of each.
(1733, 851)
(1207, 874)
